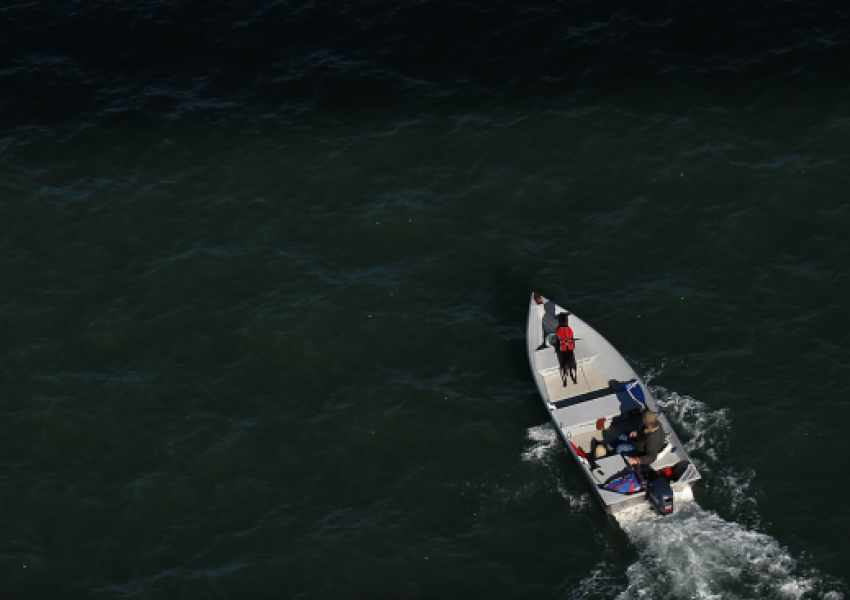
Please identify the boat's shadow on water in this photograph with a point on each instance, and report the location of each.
(509, 307)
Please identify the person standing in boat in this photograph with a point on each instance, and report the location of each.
(648, 440)
(566, 347)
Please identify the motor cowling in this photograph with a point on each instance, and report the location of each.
(660, 495)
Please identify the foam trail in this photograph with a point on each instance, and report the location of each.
(545, 441)
(600, 583)
(705, 429)
(544, 438)
(695, 553)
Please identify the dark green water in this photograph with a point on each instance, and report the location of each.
(265, 269)
(286, 359)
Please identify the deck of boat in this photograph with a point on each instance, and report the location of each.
(590, 377)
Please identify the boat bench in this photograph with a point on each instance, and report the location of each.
(609, 467)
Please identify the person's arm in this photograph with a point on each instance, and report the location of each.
(638, 440)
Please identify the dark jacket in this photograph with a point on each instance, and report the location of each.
(648, 445)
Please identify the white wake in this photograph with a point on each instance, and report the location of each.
(695, 553)
(543, 438)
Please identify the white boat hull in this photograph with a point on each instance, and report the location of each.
(597, 405)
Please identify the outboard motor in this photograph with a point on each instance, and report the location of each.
(660, 495)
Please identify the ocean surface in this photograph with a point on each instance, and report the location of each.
(265, 269)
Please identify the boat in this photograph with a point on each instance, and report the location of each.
(604, 402)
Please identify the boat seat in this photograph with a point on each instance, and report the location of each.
(610, 467)
(669, 456)
(546, 360)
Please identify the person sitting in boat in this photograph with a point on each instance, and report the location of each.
(648, 440)
(566, 347)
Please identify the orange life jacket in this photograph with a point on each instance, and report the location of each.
(565, 334)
